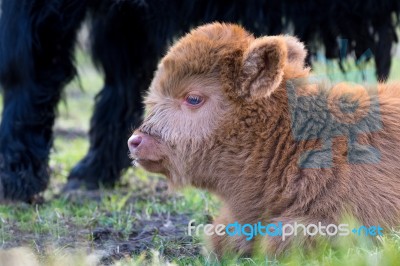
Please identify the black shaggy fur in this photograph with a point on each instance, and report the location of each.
(128, 37)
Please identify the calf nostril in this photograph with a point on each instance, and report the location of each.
(135, 141)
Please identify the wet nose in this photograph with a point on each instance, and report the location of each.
(134, 141)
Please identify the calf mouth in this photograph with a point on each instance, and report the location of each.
(151, 165)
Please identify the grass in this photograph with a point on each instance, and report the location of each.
(131, 225)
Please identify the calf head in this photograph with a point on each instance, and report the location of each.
(197, 127)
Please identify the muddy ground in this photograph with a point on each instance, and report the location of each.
(165, 232)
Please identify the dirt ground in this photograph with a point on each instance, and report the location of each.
(163, 231)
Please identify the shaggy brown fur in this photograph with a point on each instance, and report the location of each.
(239, 143)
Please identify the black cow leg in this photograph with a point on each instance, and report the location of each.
(127, 55)
(35, 63)
(111, 125)
(383, 56)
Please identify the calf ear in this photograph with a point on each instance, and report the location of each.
(262, 67)
(296, 52)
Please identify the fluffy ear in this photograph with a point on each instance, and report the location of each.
(262, 67)
(296, 51)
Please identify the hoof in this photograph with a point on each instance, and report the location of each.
(78, 184)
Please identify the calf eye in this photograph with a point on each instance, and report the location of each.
(194, 100)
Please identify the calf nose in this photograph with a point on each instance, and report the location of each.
(134, 141)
